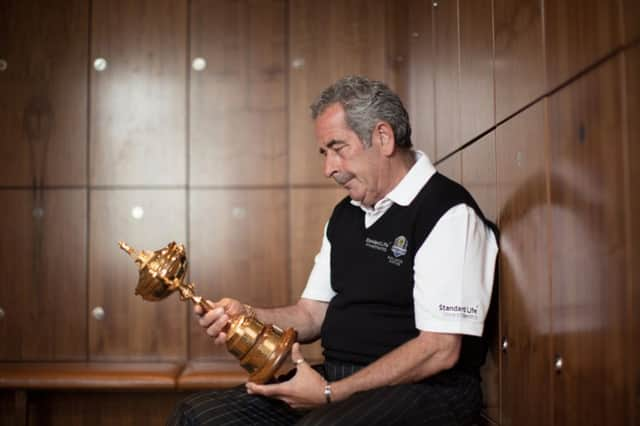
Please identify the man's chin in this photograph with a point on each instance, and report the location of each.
(355, 197)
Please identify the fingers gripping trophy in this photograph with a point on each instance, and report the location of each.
(260, 348)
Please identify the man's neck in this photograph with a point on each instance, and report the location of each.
(397, 168)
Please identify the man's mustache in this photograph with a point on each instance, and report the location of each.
(342, 178)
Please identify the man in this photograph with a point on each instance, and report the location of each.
(398, 293)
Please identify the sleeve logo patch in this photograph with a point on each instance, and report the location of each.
(460, 311)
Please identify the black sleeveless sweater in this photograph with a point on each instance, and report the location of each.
(372, 274)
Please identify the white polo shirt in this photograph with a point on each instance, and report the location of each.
(453, 269)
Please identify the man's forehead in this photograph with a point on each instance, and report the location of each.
(331, 125)
(332, 116)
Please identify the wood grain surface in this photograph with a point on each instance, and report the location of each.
(43, 113)
(133, 329)
(577, 34)
(138, 121)
(238, 103)
(525, 286)
(44, 294)
(519, 54)
(588, 247)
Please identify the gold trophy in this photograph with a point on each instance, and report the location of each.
(261, 348)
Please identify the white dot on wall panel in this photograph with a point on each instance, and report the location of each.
(100, 64)
(137, 212)
(297, 63)
(3, 65)
(199, 64)
(98, 313)
(239, 212)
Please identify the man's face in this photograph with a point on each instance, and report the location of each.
(346, 160)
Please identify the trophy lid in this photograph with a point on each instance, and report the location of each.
(161, 271)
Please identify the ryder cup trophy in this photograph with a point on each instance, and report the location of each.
(261, 348)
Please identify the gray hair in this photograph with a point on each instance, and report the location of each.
(366, 102)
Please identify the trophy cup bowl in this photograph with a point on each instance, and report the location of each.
(260, 348)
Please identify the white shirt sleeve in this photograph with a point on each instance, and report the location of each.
(319, 282)
(453, 273)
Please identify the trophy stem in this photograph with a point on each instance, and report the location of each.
(187, 293)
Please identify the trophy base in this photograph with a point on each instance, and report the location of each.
(284, 341)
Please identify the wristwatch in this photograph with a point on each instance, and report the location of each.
(251, 313)
(327, 392)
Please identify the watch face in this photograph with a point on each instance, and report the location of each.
(327, 392)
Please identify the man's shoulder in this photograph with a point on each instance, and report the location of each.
(439, 194)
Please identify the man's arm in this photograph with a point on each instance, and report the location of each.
(426, 355)
(421, 357)
(306, 317)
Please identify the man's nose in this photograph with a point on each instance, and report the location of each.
(330, 164)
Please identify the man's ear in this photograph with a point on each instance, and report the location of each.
(385, 135)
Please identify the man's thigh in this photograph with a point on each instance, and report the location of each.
(431, 403)
(232, 407)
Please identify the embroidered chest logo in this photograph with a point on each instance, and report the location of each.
(399, 247)
(376, 244)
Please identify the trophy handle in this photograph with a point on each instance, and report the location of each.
(186, 293)
(204, 304)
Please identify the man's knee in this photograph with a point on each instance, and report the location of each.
(195, 408)
(181, 415)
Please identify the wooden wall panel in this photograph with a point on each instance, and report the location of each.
(577, 33)
(397, 47)
(519, 54)
(525, 293)
(238, 102)
(43, 114)
(43, 256)
(479, 177)
(631, 13)
(327, 40)
(463, 60)
(238, 249)
(476, 68)
(588, 249)
(310, 209)
(632, 98)
(451, 167)
(133, 329)
(138, 102)
(447, 76)
(420, 100)
(479, 174)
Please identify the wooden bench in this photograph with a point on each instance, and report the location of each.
(34, 378)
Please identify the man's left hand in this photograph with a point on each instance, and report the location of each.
(305, 390)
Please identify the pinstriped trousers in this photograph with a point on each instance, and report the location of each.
(449, 398)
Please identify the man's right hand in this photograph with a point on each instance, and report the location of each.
(216, 319)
